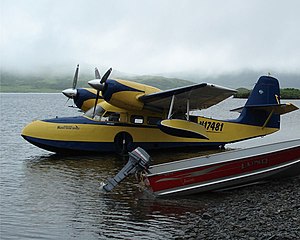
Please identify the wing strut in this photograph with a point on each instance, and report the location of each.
(188, 109)
(267, 120)
(171, 107)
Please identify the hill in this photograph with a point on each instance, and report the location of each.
(54, 82)
(51, 83)
(160, 82)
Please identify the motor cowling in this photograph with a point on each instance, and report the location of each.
(139, 160)
(125, 94)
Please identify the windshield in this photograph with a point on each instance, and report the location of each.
(98, 112)
(102, 115)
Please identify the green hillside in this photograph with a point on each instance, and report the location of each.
(160, 82)
(51, 83)
(43, 83)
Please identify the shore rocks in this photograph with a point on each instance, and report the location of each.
(269, 211)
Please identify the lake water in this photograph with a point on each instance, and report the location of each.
(46, 196)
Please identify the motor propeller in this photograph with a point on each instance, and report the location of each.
(97, 74)
(72, 92)
(99, 85)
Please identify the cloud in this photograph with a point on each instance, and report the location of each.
(151, 36)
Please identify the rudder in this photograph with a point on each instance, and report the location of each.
(265, 93)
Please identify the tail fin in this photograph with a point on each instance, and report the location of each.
(265, 92)
(259, 109)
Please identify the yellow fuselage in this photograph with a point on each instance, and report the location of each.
(85, 134)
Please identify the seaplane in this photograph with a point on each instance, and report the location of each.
(124, 115)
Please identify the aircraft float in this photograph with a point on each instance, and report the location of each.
(124, 115)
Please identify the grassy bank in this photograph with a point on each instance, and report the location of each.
(285, 93)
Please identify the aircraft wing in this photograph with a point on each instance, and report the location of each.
(201, 96)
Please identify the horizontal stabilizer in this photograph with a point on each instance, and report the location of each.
(274, 108)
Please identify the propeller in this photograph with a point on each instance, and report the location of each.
(72, 92)
(97, 74)
(75, 77)
(99, 85)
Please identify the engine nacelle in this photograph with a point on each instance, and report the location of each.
(125, 94)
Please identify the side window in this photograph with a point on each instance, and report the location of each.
(153, 120)
(193, 119)
(111, 116)
(137, 119)
(114, 117)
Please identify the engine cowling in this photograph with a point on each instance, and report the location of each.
(125, 94)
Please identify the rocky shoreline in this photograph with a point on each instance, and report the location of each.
(268, 211)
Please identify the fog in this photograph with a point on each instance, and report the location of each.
(151, 37)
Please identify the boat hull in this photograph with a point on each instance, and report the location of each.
(225, 170)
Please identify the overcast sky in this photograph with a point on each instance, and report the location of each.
(152, 36)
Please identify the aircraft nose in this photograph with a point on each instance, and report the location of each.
(70, 92)
(40, 130)
(40, 134)
(30, 130)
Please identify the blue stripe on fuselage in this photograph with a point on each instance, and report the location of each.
(70, 146)
(85, 120)
(77, 120)
(81, 147)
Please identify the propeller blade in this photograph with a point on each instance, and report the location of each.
(75, 77)
(106, 75)
(67, 101)
(96, 101)
(97, 74)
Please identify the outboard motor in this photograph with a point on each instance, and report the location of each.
(139, 160)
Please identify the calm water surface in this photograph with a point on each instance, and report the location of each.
(47, 196)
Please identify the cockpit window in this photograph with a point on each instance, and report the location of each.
(98, 112)
(102, 115)
(112, 116)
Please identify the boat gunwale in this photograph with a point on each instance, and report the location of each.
(220, 161)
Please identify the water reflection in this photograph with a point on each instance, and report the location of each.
(63, 191)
